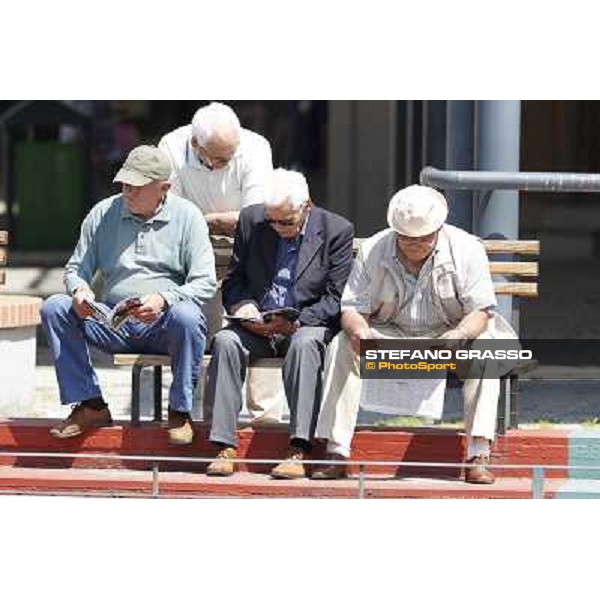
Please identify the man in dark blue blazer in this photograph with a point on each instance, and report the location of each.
(288, 253)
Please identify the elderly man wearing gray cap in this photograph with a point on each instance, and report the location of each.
(149, 244)
(421, 278)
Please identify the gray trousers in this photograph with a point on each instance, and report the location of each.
(234, 347)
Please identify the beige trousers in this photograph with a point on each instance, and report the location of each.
(341, 399)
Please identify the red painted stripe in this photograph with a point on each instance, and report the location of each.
(252, 485)
(549, 447)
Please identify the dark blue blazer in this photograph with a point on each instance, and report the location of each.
(324, 264)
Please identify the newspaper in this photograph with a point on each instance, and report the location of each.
(406, 397)
(288, 313)
(403, 397)
(116, 317)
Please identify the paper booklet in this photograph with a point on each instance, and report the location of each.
(406, 397)
(116, 317)
(288, 313)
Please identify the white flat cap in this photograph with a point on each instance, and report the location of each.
(417, 210)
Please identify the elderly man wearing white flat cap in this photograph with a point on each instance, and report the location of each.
(421, 278)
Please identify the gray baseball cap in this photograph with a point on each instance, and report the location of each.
(143, 165)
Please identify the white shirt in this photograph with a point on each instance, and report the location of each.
(241, 183)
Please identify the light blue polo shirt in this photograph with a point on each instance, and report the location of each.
(170, 253)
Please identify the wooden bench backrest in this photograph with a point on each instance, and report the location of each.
(3, 256)
(523, 273)
(516, 270)
(522, 269)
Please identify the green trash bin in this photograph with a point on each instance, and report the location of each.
(49, 186)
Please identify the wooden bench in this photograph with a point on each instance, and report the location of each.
(157, 361)
(522, 283)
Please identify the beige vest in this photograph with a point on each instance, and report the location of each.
(449, 275)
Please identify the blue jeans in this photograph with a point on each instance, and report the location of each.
(180, 332)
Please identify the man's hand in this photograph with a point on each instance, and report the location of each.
(81, 309)
(248, 310)
(357, 334)
(151, 307)
(262, 329)
(281, 325)
(223, 223)
(356, 327)
(453, 338)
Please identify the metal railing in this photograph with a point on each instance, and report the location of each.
(508, 180)
(537, 480)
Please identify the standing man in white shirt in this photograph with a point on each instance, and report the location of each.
(222, 168)
(218, 165)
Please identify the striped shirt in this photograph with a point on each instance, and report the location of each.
(416, 315)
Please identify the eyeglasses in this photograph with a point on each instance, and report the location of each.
(423, 239)
(288, 222)
(212, 162)
(282, 222)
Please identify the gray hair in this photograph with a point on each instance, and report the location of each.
(287, 186)
(215, 118)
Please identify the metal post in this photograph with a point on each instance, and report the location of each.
(155, 480)
(11, 186)
(537, 485)
(136, 373)
(460, 139)
(157, 393)
(361, 482)
(514, 401)
(496, 215)
(502, 412)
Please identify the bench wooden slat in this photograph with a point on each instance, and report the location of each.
(491, 246)
(221, 241)
(2, 277)
(526, 290)
(3, 256)
(522, 269)
(3, 238)
(141, 359)
(512, 246)
(149, 360)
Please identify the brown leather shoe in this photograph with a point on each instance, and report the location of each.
(81, 419)
(477, 472)
(290, 468)
(181, 432)
(224, 465)
(331, 471)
